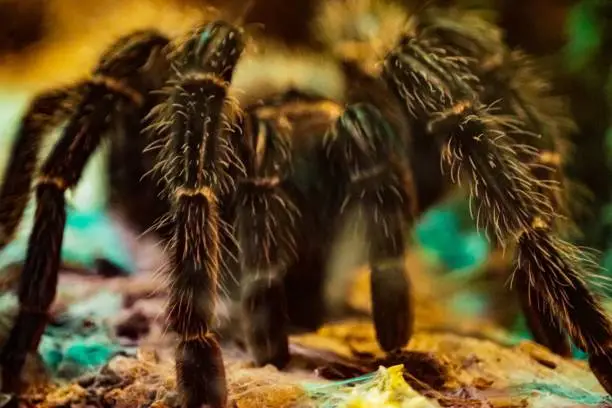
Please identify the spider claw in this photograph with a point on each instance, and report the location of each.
(201, 378)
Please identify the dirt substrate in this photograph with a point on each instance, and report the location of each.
(451, 360)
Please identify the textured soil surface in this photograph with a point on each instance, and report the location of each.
(451, 360)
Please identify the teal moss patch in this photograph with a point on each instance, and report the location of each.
(83, 341)
(89, 236)
(441, 234)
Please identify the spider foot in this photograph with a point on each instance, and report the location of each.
(392, 313)
(265, 328)
(23, 338)
(201, 374)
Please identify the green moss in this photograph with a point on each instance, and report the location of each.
(88, 353)
(51, 353)
(89, 236)
(82, 341)
(440, 233)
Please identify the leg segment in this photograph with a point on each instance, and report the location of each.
(193, 273)
(366, 151)
(195, 163)
(266, 230)
(101, 99)
(505, 196)
(46, 112)
(38, 280)
(551, 268)
(265, 225)
(512, 205)
(545, 330)
(444, 63)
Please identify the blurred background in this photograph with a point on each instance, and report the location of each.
(45, 43)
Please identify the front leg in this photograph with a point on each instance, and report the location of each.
(370, 159)
(193, 273)
(196, 164)
(39, 276)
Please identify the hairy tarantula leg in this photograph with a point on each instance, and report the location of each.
(507, 199)
(550, 266)
(265, 226)
(101, 98)
(38, 280)
(363, 146)
(545, 330)
(429, 73)
(48, 110)
(195, 161)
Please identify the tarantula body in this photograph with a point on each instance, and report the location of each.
(258, 184)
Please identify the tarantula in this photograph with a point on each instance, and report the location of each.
(259, 182)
